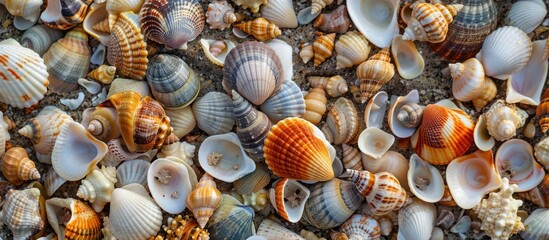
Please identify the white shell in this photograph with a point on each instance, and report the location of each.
(416, 220)
(272, 230)
(26, 12)
(123, 84)
(181, 120)
(504, 52)
(4, 135)
(409, 63)
(117, 153)
(169, 184)
(527, 14)
(91, 86)
(526, 85)
(375, 19)
(290, 188)
(537, 225)
(98, 186)
(396, 126)
(73, 103)
(515, 161)
(76, 152)
(284, 51)
(304, 16)
(374, 112)
(424, 180)
(482, 137)
(218, 60)
(280, 12)
(181, 150)
(52, 182)
(133, 171)
(374, 142)
(392, 162)
(133, 200)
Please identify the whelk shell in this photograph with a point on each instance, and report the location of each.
(352, 158)
(377, 19)
(123, 85)
(391, 162)
(214, 113)
(260, 29)
(503, 120)
(515, 161)
(96, 23)
(334, 86)
(21, 212)
(424, 180)
(64, 14)
(17, 167)
(102, 123)
(336, 21)
(323, 47)
(408, 61)
(542, 112)
(39, 38)
(306, 53)
(203, 200)
(98, 186)
(220, 15)
(118, 152)
(73, 219)
(375, 72)
(542, 152)
(318, 5)
(527, 15)
(429, 22)
(288, 197)
(280, 12)
(352, 49)
(104, 74)
(25, 12)
(468, 79)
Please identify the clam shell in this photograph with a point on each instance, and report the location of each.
(253, 181)
(115, 7)
(284, 52)
(220, 15)
(361, 226)
(409, 63)
(181, 120)
(252, 126)
(377, 20)
(218, 56)
(417, 220)
(272, 230)
(503, 120)
(391, 162)
(280, 12)
(336, 21)
(288, 197)
(64, 14)
(204, 200)
(342, 123)
(398, 127)
(83, 223)
(52, 182)
(352, 49)
(323, 47)
(169, 185)
(515, 161)
(124, 85)
(95, 19)
(39, 38)
(315, 105)
(287, 102)
(375, 142)
(536, 225)
(483, 140)
(468, 79)
(424, 180)
(214, 113)
(132, 171)
(527, 15)
(21, 212)
(231, 220)
(374, 112)
(17, 167)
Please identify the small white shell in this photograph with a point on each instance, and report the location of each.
(537, 225)
(374, 142)
(169, 184)
(92, 87)
(377, 20)
(396, 126)
(132, 171)
(73, 103)
(515, 161)
(527, 14)
(374, 112)
(280, 12)
(97, 187)
(503, 120)
(284, 51)
(218, 59)
(424, 180)
(482, 137)
(408, 61)
(416, 220)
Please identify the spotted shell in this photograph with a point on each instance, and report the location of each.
(352, 49)
(64, 14)
(323, 48)
(342, 125)
(260, 28)
(21, 212)
(375, 72)
(315, 105)
(542, 111)
(17, 167)
(214, 113)
(82, 223)
(39, 38)
(220, 15)
(429, 22)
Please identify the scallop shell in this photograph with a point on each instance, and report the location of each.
(515, 161)
(52, 182)
(306, 53)
(127, 47)
(504, 52)
(323, 48)
(253, 181)
(408, 61)
(287, 102)
(220, 15)
(214, 113)
(169, 185)
(217, 50)
(336, 21)
(39, 38)
(375, 72)
(361, 226)
(352, 158)
(527, 15)
(468, 79)
(374, 112)
(64, 14)
(288, 197)
(115, 7)
(272, 230)
(489, 93)
(98, 186)
(173, 23)
(133, 200)
(417, 220)
(284, 52)
(104, 74)
(132, 171)
(71, 218)
(280, 12)
(374, 142)
(21, 212)
(335, 86)
(96, 23)
(255, 78)
(25, 12)
(17, 167)
(502, 120)
(118, 152)
(404, 129)
(204, 200)
(181, 120)
(483, 140)
(252, 5)
(424, 180)
(342, 124)
(124, 85)
(252, 126)
(315, 105)
(377, 20)
(102, 123)
(452, 128)
(429, 22)
(231, 220)
(391, 162)
(352, 49)
(318, 5)
(536, 225)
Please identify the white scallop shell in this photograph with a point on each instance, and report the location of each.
(396, 126)
(424, 180)
(374, 112)
(272, 230)
(218, 60)
(409, 63)
(123, 84)
(482, 137)
(284, 51)
(290, 188)
(515, 161)
(375, 142)
(416, 220)
(527, 14)
(280, 12)
(132, 171)
(52, 182)
(536, 225)
(375, 19)
(181, 120)
(169, 184)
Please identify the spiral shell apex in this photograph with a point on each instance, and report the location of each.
(429, 22)
(375, 72)
(352, 49)
(204, 200)
(468, 79)
(323, 47)
(21, 212)
(504, 119)
(260, 28)
(220, 15)
(334, 86)
(17, 167)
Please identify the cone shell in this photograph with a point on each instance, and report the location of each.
(318, 5)
(64, 14)
(181, 120)
(323, 48)
(288, 197)
(21, 212)
(22, 86)
(294, 149)
(334, 86)
(39, 38)
(416, 220)
(342, 124)
(352, 49)
(104, 74)
(536, 225)
(231, 220)
(252, 5)
(287, 102)
(132, 171)
(452, 129)
(503, 120)
(539, 195)
(315, 105)
(254, 181)
(515, 161)
(127, 49)
(375, 72)
(336, 21)
(115, 7)
(173, 23)
(527, 15)
(280, 12)
(83, 222)
(214, 113)
(352, 158)
(429, 22)
(489, 92)
(102, 123)
(17, 167)
(220, 15)
(361, 225)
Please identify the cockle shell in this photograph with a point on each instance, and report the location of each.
(307, 52)
(252, 126)
(260, 29)
(527, 15)
(352, 158)
(424, 180)
(115, 7)
(123, 85)
(374, 112)
(64, 14)
(429, 22)
(231, 220)
(451, 127)
(272, 230)
(374, 142)
(377, 20)
(217, 50)
(525, 86)
(132, 171)
(96, 23)
(313, 154)
(468, 79)
(102, 123)
(220, 15)
(331, 203)
(402, 121)
(181, 120)
(515, 161)
(352, 49)
(408, 61)
(342, 123)
(169, 184)
(118, 152)
(503, 120)
(133, 200)
(17, 167)
(504, 52)
(323, 47)
(538, 195)
(287, 102)
(73, 219)
(375, 72)
(25, 12)
(214, 113)
(127, 49)
(489, 92)
(336, 21)
(21, 212)
(280, 12)
(391, 162)
(173, 23)
(39, 38)
(204, 200)
(381, 190)
(318, 5)
(288, 197)
(315, 105)
(253, 181)
(536, 225)
(417, 220)
(98, 186)
(252, 5)
(104, 74)
(361, 226)
(334, 86)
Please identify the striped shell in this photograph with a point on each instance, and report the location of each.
(39, 38)
(115, 7)
(336, 21)
(97, 187)
(489, 93)
(361, 226)
(64, 14)
(204, 199)
(287, 102)
(352, 49)
(527, 15)
(281, 13)
(318, 5)
(214, 113)
(132, 171)
(173, 23)
(537, 225)
(391, 162)
(306, 53)
(468, 79)
(417, 220)
(429, 22)
(503, 120)
(334, 86)
(21, 212)
(315, 105)
(259, 28)
(252, 126)
(231, 220)
(352, 158)
(73, 219)
(123, 84)
(252, 5)
(375, 72)
(323, 48)
(182, 120)
(102, 123)
(288, 197)
(269, 229)
(342, 125)
(542, 112)
(220, 15)
(254, 181)
(118, 152)
(17, 167)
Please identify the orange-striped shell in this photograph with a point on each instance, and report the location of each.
(294, 150)
(204, 199)
(429, 22)
(17, 167)
(288, 197)
(443, 135)
(323, 48)
(315, 105)
(80, 222)
(260, 28)
(375, 72)
(542, 111)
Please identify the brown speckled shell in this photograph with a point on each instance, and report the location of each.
(542, 111)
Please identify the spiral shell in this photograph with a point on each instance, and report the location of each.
(489, 92)
(542, 111)
(410, 115)
(323, 48)
(17, 167)
(214, 113)
(352, 49)
(102, 123)
(315, 105)
(361, 226)
(64, 14)
(342, 124)
(98, 186)
(318, 5)
(21, 212)
(104, 74)
(281, 13)
(538, 195)
(115, 7)
(252, 126)
(352, 158)
(82, 223)
(39, 38)
(204, 200)
(231, 220)
(260, 28)
(334, 86)
(306, 53)
(391, 162)
(220, 15)
(253, 5)
(429, 22)
(375, 72)
(504, 119)
(25, 12)
(287, 102)
(336, 21)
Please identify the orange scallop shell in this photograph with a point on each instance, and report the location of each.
(84, 223)
(293, 151)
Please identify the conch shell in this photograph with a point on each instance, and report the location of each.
(503, 120)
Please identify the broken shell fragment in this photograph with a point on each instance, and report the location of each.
(377, 20)
(409, 63)
(374, 112)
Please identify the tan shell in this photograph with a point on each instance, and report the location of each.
(489, 92)
(468, 79)
(220, 15)
(318, 5)
(315, 105)
(252, 5)
(115, 7)
(323, 48)
(17, 167)
(352, 49)
(375, 72)
(104, 74)
(429, 22)
(260, 28)
(306, 53)
(334, 86)
(391, 162)
(203, 200)
(21, 212)
(504, 119)
(96, 23)
(352, 158)
(342, 125)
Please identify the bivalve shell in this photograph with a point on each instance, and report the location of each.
(132, 171)
(424, 180)
(374, 112)
(280, 12)
(231, 220)
(483, 140)
(254, 181)
(181, 120)
(539, 195)
(352, 49)
(214, 113)
(352, 158)
(64, 14)
(536, 225)
(527, 15)
(375, 142)
(417, 220)
(82, 222)
(272, 230)
(287, 102)
(515, 161)
(377, 20)
(123, 85)
(115, 7)
(361, 226)
(169, 184)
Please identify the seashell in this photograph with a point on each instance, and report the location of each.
(98, 56)
(173, 83)
(133, 200)
(260, 29)
(73, 103)
(173, 23)
(220, 15)
(39, 38)
(204, 200)
(252, 126)
(318, 5)
(288, 197)
(181, 150)
(542, 152)
(342, 124)
(468, 79)
(408, 61)
(315, 105)
(284, 52)
(76, 152)
(527, 15)
(541, 112)
(336, 21)
(536, 226)
(525, 86)
(467, 32)
(416, 220)
(515, 161)
(132, 171)
(253, 181)
(306, 53)
(352, 158)
(538, 195)
(529, 130)
(193, 179)
(352, 49)
(375, 72)
(217, 50)
(331, 203)
(280, 12)
(287, 102)
(99, 98)
(429, 22)
(309, 235)
(15, 90)
(272, 230)
(181, 120)
(118, 152)
(127, 47)
(374, 112)
(124, 85)
(17, 167)
(375, 142)
(71, 218)
(231, 220)
(96, 23)
(169, 183)
(499, 57)
(483, 140)
(25, 12)
(391, 162)
(214, 113)
(381, 190)
(21, 212)
(52, 182)
(115, 7)
(145, 125)
(64, 14)
(98, 186)
(424, 180)
(184, 228)
(313, 154)
(502, 120)
(261, 83)
(92, 87)
(452, 128)
(104, 74)
(253, 5)
(376, 20)
(102, 123)
(223, 157)
(405, 115)
(258, 200)
(499, 212)
(335, 86)
(489, 93)
(323, 48)
(361, 226)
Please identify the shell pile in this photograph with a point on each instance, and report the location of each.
(188, 119)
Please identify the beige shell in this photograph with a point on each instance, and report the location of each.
(21, 212)
(429, 22)
(361, 226)
(17, 167)
(181, 120)
(115, 7)
(504, 119)
(315, 105)
(104, 74)
(252, 5)
(254, 181)
(203, 200)
(102, 123)
(281, 13)
(96, 23)
(536, 225)
(335, 86)
(39, 38)
(306, 53)
(318, 5)
(272, 230)
(489, 92)
(416, 220)
(408, 60)
(323, 48)
(25, 12)
(352, 158)
(342, 123)
(217, 50)
(118, 152)
(375, 72)
(542, 152)
(391, 162)
(374, 142)
(220, 15)
(123, 84)
(98, 186)
(352, 49)
(468, 78)
(260, 29)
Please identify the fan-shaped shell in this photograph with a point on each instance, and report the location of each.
(375, 72)
(342, 124)
(408, 61)
(252, 126)
(525, 86)
(214, 113)
(96, 23)
(17, 167)
(503, 120)
(424, 180)
(352, 49)
(39, 38)
(181, 120)
(82, 223)
(429, 22)
(284, 52)
(220, 15)
(269, 229)
(336, 21)
(288, 197)
(287, 102)
(21, 212)
(231, 220)
(404, 129)
(417, 220)
(515, 161)
(64, 14)
(527, 15)
(115, 7)
(315, 105)
(217, 50)
(132, 171)
(254, 181)
(536, 225)
(361, 226)
(377, 20)
(280, 12)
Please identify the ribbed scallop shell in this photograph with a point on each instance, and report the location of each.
(288, 197)
(468, 79)
(408, 60)
(334, 86)
(204, 199)
(254, 181)
(352, 49)
(115, 7)
(127, 49)
(342, 124)
(503, 120)
(181, 120)
(173, 83)
(336, 21)
(280, 12)
(173, 23)
(315, 105)
(294, 149)
(505, 51)
(527, 15)
(73, 219)
(254, 70)
(231, 220)
(539, 195)
(214, 113)
(537, 225)
(123, 84)
(361, 226)
(416, 220)
(17, 167)
(64, 14)
(39, 38)
(102, 123)
(252, 5)
(220, 15)
(21, 86)
(287, 102)
(375, 72)
(444, 134)
(331, 203)
(323, 47)
(132, 171)
(515, 161)
(352, 158)
(252, 126)
(21, 212)
(269, 229)
(429, 22)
